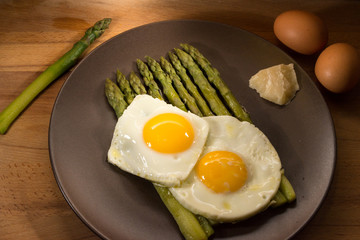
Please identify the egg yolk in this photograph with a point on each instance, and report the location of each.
(168, 133)
(222, 171)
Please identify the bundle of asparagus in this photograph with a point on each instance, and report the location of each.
(189, 82)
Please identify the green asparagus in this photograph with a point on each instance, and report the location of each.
(125, 86)
(183, 93)
(206, 225)
(286, 189)
(115, 97)
(12, 111)
(214, 77)
(136, 84)
(278, 200)
(190, 86)
(166, 83)
(153, 88)
(187, 221)
(207, 90)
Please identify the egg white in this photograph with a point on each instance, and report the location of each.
(129, 152)
(263, 167)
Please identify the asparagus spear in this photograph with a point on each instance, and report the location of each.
(136, 84)
(192, 89)
(214, 77)
(279, 199)
(207, 90)
(125, 86)
(286, 189)
(12, 111)
(115, 97)
(191, 228)
(183, 93)
(154, 89)
(166, 83)
(206, 225)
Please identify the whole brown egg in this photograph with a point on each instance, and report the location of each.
(301, 31)
(338, 67)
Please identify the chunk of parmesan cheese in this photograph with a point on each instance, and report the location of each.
(277, 84)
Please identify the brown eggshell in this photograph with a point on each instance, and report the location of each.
(301, 31)
(338, 67)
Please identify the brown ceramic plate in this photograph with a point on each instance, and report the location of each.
(117, 205)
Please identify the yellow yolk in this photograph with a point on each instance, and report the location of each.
(222, 171)
(168, 133)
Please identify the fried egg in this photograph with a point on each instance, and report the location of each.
(237, 174)
(157, 141)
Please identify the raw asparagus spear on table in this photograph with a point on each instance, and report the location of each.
(214, 77)
(12, 111)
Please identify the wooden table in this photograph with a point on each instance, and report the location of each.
(34, 33)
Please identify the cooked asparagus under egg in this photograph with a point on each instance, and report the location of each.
(218, 166)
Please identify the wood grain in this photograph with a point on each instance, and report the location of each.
(33, 34)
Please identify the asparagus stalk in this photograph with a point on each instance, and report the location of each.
(207, 90)
(286, 189)
(190, 228)
(115, 97)
(278, 200)
(154, 89)
(136, 84)
(12, 111)
(214, 77)
(166, 83)
(190, 86)
(125, 86)
(206, 225)
(183, 93)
